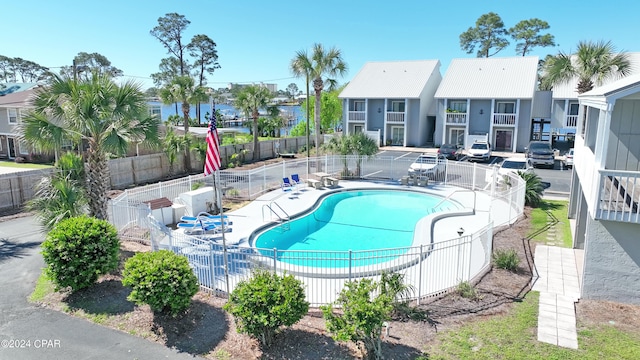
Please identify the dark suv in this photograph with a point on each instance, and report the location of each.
(540, 153)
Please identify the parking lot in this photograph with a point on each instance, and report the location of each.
(557, 181)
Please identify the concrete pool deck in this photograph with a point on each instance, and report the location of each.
(249, 218)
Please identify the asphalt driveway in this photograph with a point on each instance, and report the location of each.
(31, 332)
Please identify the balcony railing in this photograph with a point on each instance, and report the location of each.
(357, 116)
(571, 121)
(619, 196)
(395, 117)
(456, 118)
(504, 119)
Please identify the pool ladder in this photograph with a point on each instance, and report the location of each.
(283, 220)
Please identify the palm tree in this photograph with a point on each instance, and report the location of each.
(301, 67)
(185, 90)
(358, 144)
(102, 114)
(322, 63)
(250, 100)
(61, 195)
(533, 188)
(592, 63)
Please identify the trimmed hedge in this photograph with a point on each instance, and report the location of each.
(78, 250)
(265, 302)
(161, 279)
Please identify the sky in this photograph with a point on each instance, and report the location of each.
(257, 39)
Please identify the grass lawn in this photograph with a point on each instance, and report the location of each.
(540, 217)
(14, 164)
(514, 336)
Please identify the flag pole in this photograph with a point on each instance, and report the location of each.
(222, 226)
(212, 166)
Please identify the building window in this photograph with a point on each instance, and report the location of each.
(358, 106)
(503, 107)
(13, 116)
(24, 148)
(457, 106)
(583, 123)
(397, 106)
(573, 109)
(358, 129)
(155, 110)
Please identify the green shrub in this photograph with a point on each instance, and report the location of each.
(78, 250)
(161, 279)
(467, 291)
(363, 315)
(265, 302)
(506, 259)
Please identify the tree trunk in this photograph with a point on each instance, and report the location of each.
(256, 145)
(185, 121)
(97, 182)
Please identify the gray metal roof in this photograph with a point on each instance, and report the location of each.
(391, 79)
(568, 90)
(490, 78)
(625, 83)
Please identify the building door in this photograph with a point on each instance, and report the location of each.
(397, 135)
(540, 130)
(11, 145)
(503, 140)
(456, 136)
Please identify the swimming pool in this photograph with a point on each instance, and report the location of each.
(351, 228)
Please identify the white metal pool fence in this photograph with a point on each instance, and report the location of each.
(430, 269)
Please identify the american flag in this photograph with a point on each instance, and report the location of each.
(212, 162)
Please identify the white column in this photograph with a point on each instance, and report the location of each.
(444, 123)
(406, 120)
(366, 114)
(490, 137)
(514, 141)
(466, 123)
(566, 112)
(346, 122)
(384, 122)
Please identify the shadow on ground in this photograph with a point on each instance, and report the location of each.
(10, 249)
(105, 297)
(198, 331)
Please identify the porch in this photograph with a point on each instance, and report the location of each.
(619, 196)
(504, 119)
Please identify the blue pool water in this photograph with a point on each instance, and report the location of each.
(351, 220)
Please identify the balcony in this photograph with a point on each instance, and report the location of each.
(504, 119)
(619, 196)
(571, 121)
(395, 117)
(357, 116)
(456, 118)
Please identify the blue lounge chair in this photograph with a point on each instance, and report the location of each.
(201, 228)
(295, 179)
(286, 185)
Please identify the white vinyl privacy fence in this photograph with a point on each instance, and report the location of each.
(433, 268)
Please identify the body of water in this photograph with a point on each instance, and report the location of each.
(289, 111)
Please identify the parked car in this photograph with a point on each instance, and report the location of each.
(479, 151)
(432, 166)
(515, 164)
(451, 151)
(568, 159)
(540, 153)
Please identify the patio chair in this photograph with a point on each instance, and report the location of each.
(295, 179)
(286, 184)
(201, 227)
(206, 217)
